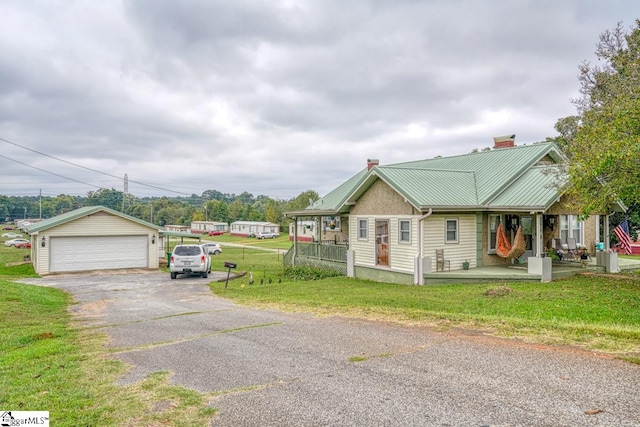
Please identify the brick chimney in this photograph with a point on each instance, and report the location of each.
(372, 162)
(506, 141)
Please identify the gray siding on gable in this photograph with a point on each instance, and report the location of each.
(380, 199)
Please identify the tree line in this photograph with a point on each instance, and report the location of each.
(212, 205)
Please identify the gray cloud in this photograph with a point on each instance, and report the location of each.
(278, 97)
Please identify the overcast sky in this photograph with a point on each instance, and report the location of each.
(276, 97)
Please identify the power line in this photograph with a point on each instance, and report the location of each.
(45, 171)
(80, 166)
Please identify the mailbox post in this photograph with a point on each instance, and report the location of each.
(228, 265)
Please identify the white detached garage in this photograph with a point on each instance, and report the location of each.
(93, 238)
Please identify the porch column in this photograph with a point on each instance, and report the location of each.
(539, 235)
(295, 241)
(606, 234)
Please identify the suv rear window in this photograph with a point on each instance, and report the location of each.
(187, 250)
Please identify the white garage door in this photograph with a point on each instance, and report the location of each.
(98, 253)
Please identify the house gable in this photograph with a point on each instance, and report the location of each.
(83, 212)
(99, 224)
(381, 199)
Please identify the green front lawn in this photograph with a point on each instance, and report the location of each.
(48, 363)
(593, 312)
(281, 242)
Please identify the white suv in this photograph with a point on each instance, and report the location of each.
(189, 259)
(267, 235)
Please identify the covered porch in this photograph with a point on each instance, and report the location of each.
(520, 272)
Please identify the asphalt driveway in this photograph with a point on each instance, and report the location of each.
(284, 369)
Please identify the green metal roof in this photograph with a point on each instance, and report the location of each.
(537, 190)
(180, 234)
(334, 200)
(501, 178)
(424, 187)
(494, 170)
(82, 212)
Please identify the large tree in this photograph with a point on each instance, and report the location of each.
(603, 139)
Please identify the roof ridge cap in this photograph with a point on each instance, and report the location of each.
(493, 150)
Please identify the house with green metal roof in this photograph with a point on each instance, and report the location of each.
(402, 222)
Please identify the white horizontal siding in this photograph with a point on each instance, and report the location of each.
(364, 250)
(402, 255)
(457, 253)
(100, 224)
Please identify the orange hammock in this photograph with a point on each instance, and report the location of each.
(504, 248)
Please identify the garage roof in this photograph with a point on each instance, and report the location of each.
(80, 213)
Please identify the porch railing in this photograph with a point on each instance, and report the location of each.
(335, 253)
(315, 254)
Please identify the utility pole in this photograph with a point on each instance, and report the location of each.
(40, 199)
(126, 189)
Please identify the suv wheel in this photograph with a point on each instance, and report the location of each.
(204, 274)
(174, 274)
(216, 252)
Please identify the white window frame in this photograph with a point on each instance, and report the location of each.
(446, 230)
(363, 229)
(492, 249)
(402, 232)
(569, 227)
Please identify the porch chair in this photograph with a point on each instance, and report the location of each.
(572, 249)
(557, 245)
(441, 262)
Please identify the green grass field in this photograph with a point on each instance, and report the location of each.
(48, 363)
(594, 312)
(281, 242)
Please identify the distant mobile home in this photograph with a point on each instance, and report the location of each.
(177, 228)
(251, 228)
(306, 231)
(201, 227)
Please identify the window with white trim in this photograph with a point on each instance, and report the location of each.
(494, 221)
(363, 225)
(570, 227)
(451, 231)
(404, 231)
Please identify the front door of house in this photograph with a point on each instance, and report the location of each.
(528, 232)
(382, 242)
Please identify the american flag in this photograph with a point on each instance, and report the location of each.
(622, 233)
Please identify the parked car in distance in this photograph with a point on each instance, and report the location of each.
(212, 248)
(189, 259)
(266, 235)
(216, 233)
(7, 228)
(14, 242)
(11, 235)
(23, 245)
